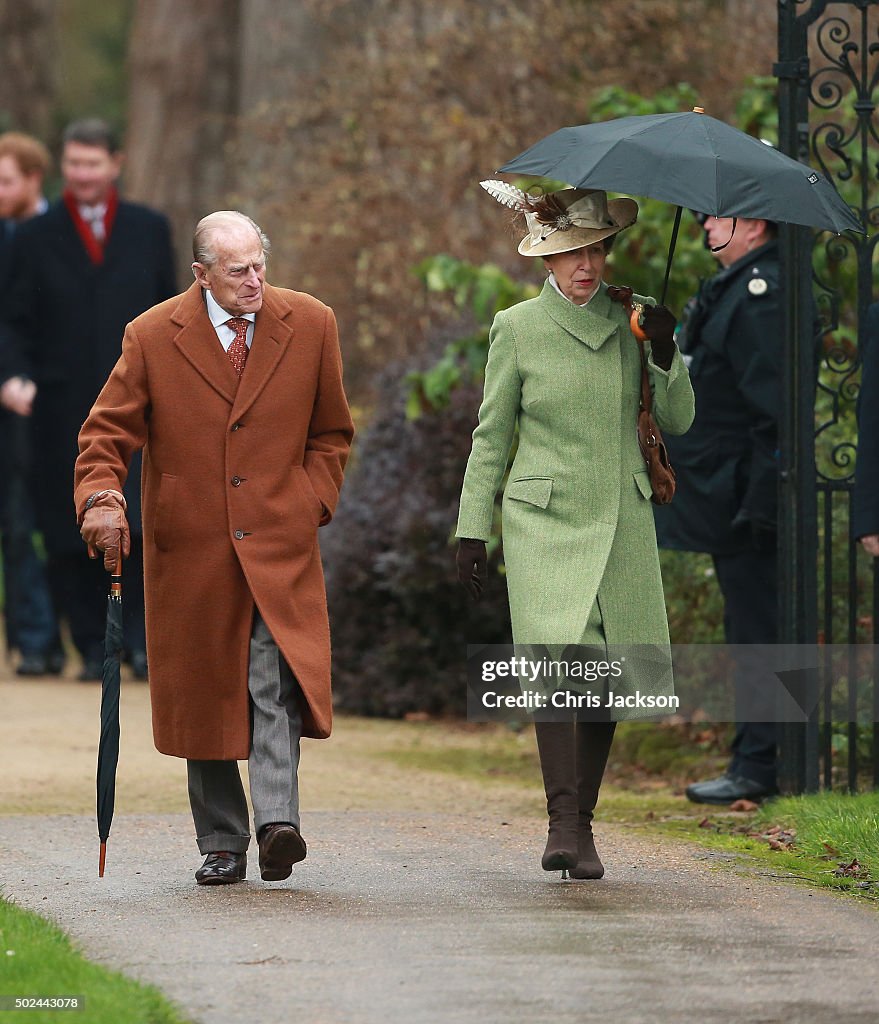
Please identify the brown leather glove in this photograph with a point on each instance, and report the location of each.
(658, 323)
(105, 528)
(472, 561)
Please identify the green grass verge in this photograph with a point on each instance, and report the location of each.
(836, 825)
(828, 840)
(38, 959)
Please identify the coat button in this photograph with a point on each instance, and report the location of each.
(236, 481)
(236, 426)
(239, 535)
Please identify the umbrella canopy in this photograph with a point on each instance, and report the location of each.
(108, 746)
(692, 160)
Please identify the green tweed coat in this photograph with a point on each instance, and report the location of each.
(577, 518)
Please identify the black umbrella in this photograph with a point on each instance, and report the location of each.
(692, 160)
(108, 747)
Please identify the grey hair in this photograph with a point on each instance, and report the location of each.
(202, 240)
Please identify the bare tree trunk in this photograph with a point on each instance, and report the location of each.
(27, 85)
(184, 71)
(285, 51)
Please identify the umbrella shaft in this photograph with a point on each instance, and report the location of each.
(671, 253)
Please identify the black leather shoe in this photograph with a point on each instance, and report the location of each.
(222, 868)
(55, 662)
(727, 789)
(280, 847)
(92, 671)
(51, 664)
(139, 666)
(32, 665)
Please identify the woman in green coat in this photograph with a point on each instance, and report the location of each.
(580, 552)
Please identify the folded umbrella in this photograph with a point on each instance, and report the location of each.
(108, 746)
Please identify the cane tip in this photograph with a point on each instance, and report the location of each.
(102, 860)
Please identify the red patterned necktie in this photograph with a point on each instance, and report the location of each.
(238, 349)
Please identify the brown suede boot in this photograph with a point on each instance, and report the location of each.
(555, 744)
(593, 746)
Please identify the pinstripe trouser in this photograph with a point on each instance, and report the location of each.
(216, 795)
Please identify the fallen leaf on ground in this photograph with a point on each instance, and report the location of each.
(777, 838)
(743, 805)
(849, 870)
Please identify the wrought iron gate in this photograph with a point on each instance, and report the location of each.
(828, 70)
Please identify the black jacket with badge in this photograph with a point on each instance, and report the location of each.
(727, 463)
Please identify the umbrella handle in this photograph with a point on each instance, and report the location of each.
(116, 579)
(635, 322)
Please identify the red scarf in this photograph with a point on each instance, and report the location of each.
(93, 247)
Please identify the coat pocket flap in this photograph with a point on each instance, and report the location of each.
(533, 489)
(642, 479)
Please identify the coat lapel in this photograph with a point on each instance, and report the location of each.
(198, 342)
(69, 243)
(590, 324)
(119, 239)
(271, 335)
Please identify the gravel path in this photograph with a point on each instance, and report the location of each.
(398, 917)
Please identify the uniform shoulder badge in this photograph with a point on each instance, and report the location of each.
(757, 285)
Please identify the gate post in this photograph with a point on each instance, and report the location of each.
(797, 504)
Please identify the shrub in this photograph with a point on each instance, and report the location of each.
(401, 622)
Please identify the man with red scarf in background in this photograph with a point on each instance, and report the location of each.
(79, 273)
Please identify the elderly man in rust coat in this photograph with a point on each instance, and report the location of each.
(234, 392)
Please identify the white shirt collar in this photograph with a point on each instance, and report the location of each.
(96, 211)
(579, 305)
(218, 315)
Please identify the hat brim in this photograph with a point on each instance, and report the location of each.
(623, 212)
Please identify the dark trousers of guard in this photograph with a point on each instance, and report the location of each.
(30, 620)
(749, 583)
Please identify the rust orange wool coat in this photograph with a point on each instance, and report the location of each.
(237, 477)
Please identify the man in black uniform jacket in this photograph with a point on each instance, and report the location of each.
(79, 274)
(727, 465)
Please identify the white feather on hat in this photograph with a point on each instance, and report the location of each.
(564, 220)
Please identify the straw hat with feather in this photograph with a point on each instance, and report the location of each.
(564, 220)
